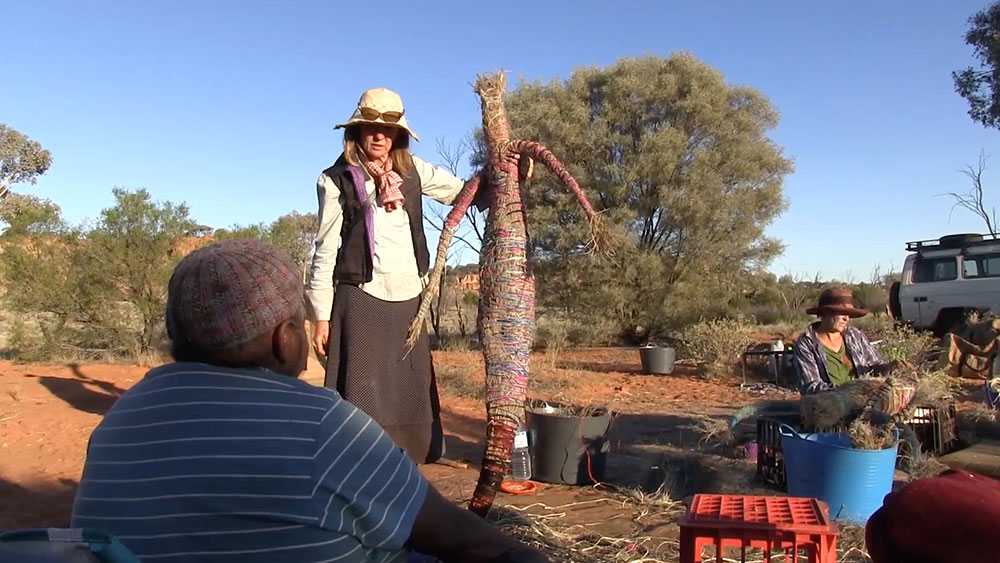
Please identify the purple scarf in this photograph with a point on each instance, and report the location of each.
(359, 189)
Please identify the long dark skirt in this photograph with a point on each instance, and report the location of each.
(366, 366)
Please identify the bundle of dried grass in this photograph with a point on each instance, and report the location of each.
(837, 407)
(921, 466)
(582, 543)
(978, 421)
(676, 476)
(894, 396)
(866, 435)
(715, 431)
(851, 547)
(935, 388)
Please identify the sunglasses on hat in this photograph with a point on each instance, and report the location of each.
(387, 116)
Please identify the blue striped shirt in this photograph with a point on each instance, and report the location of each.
(202, 463)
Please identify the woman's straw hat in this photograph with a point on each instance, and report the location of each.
(380, 106)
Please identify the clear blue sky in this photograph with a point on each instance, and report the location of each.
(228, 105)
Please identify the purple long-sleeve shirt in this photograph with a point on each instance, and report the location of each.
(809, 358)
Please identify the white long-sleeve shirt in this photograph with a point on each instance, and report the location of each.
(394, 273)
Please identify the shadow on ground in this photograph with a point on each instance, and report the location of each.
(81, 392)
(464, 436)
(645, 452)
(36, 505)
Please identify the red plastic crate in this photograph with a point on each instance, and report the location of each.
(788, 524)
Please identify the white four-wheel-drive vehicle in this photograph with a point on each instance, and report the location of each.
(944, 281)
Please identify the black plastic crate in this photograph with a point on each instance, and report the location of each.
(770, 459)
(936, 428)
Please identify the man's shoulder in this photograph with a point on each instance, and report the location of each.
(193, 375)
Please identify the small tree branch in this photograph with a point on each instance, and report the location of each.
(974, 199)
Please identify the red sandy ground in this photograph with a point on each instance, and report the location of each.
(47, 413)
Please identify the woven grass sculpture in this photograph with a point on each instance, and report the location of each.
(506, 320)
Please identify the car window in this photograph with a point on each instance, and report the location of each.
(970, 268)
(981, 266)
(937, 270)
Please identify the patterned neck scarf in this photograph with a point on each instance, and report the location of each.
(388, 181)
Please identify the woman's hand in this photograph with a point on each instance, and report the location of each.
(321, 337)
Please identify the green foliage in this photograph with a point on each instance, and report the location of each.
(294, 233)
(133, 245)
(21, 159)
(95, 292)
(978, 85)
(897, 341)
(717, 342)
(27, 214)
(42, 285)
(873, 297)
(676, 160)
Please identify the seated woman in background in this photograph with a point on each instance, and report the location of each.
(831, 352)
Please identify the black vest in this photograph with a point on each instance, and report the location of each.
(354, 263)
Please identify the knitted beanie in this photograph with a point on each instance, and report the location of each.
(951, 518)
(227, 293)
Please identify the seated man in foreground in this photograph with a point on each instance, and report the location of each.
(226, 456)
(831, 352)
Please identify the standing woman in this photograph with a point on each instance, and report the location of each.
(368, 270)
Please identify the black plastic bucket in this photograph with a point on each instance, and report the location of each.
(570, 443)
(657, 360)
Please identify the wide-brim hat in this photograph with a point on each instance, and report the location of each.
(380, 106)
(838, 301)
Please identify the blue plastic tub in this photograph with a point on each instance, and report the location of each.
(852, 482)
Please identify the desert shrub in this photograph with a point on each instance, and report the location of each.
(875, 298)
(775, 314)
(552, 332)
(898, 342)
(451, 342)
(593, 332)
(717, 342)
(96, 292)
(23, 343)
(455, 382)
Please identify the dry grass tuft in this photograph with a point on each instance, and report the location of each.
(979, 413)
(867, 436)
(456, 382)
(922, 466)
(935, 388)
(580, 543)
(715, 431)
(851, 545)
(978, 421)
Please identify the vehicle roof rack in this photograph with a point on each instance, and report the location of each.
(960, 241)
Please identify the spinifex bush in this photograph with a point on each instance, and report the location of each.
(717, 342)
(899, 342)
